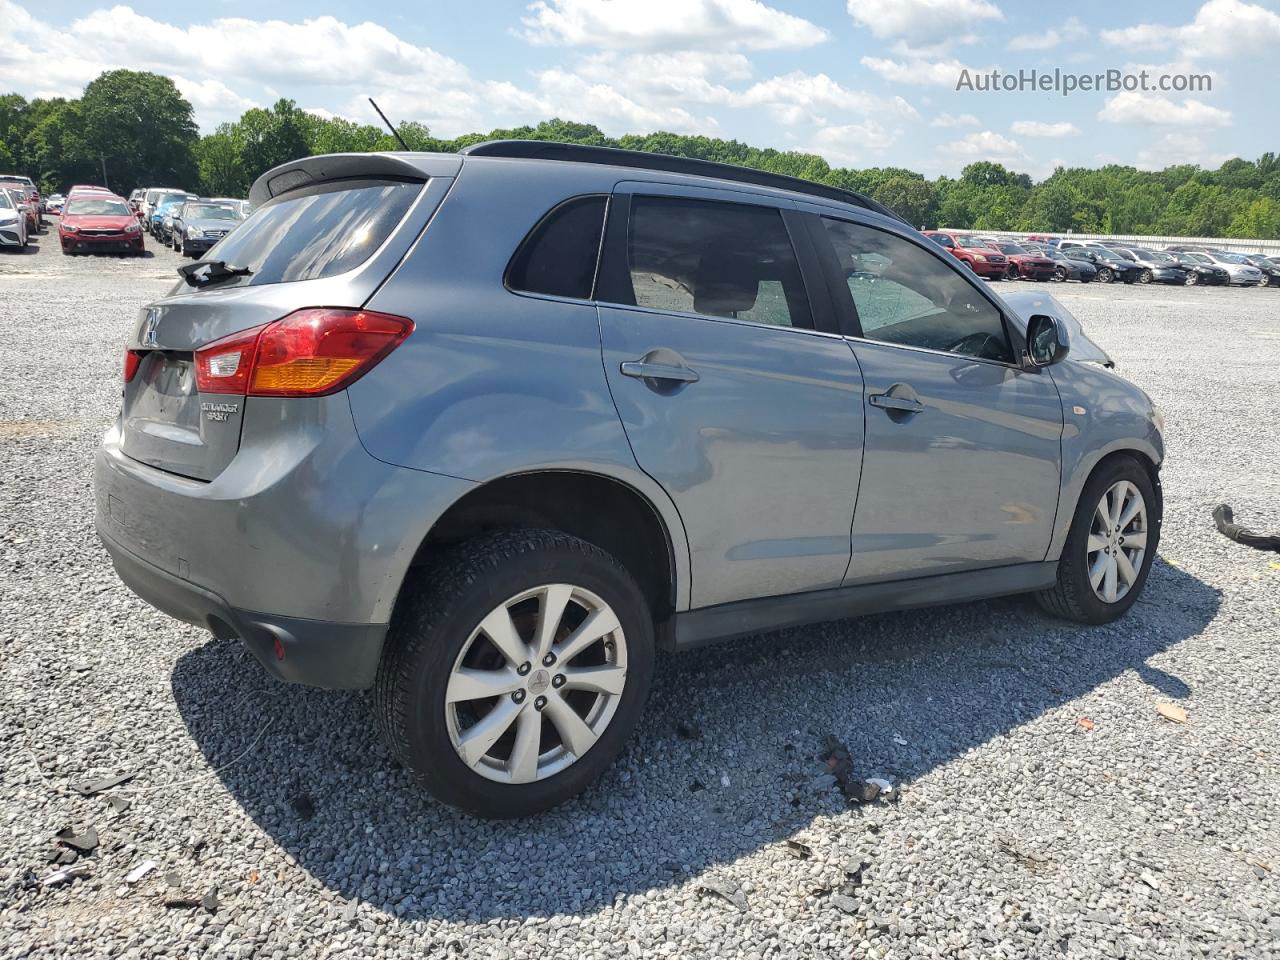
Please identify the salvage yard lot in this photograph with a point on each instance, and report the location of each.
(1048, 809)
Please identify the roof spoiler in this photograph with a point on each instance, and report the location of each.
(347, 166)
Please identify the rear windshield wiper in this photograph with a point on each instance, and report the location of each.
(203, 272)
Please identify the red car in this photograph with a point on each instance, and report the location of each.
(985, 261)
(1027, 264)
(99, 223)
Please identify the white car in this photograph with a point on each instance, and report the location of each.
(1243, 273)
(13, 223)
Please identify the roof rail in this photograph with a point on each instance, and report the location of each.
(613, 156)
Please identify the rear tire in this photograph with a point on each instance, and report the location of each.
(435, 646)
(1074, 596)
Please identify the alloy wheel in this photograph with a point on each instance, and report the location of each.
(1117, 541)
(1104, 275)
(1192, 279)
(536, 684)
(1060, 274)
(1144, 276)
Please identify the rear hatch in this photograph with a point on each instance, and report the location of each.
(327, 236)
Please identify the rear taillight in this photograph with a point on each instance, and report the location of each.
(309, 353)
(132, 358)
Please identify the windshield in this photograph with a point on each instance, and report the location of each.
(1198, 257)
(317, 231)
(94, 207)
(1109, 255)
(1231, 258)
(208, 211)
(1013, 248)
(973, 243)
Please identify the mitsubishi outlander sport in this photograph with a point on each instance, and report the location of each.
(485, 432)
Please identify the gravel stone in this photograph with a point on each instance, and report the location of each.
(1021, 835)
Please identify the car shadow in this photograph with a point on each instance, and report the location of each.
(913, 691)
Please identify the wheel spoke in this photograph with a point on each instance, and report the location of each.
(598, 624)
(1131, 511)
(1101, 514)
(1115, 503)
(606, 679)
(551, 604)
(1098, 569)
(1096, 543)
(1136, 540)
(469, 684)
(1109, 589)
(576, 736)
(497, 626)
(523, 763)
(1128, 575)
(478, 739)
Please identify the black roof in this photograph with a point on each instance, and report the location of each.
(612, 156)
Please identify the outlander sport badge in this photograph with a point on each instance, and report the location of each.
(218, 412)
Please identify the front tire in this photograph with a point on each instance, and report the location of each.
(1105, 275)
(1145, 276)
(1192, 279)
(515, 671)
(1109, 550)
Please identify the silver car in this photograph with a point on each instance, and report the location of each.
(485, 432)
(13, 222)
(1242, 272)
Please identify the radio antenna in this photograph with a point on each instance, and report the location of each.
(394, 132)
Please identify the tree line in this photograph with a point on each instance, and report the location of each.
(139, 129)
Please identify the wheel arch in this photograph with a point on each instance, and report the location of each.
(605, 510)
(1145, 456)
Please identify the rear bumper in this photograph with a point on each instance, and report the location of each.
(318, 653)
(303, 537)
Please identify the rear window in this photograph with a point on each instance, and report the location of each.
(317, 232)
(559, 256)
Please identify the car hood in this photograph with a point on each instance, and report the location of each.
(98, 223)
(213, 224)
(1083, 350)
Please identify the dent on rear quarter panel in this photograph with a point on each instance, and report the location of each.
(493, 383)
(1117, 417)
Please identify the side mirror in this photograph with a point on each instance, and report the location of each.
(1046, 341)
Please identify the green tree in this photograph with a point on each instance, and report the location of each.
(141, 127)
(1260, 220)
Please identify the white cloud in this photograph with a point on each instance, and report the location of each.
(925, 73)
(1038, 128)
(986, 145)
(560, 93)
(947, 120)
(688, 75)
(922, 22)
(1071, 30)
(849, 144)
(213, 99)
(1178, 148)
(1140, 109)
(1221, 29)
(670, 24)
(793, 98)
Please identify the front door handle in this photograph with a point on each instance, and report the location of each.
(899, 398)
(647, 370)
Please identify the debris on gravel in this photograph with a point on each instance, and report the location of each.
(1022, 837)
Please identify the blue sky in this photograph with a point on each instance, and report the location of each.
(862, 82)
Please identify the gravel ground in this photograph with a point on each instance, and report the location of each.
(1048, 810)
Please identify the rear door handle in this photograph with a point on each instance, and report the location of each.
(903, 404)
(647, 370)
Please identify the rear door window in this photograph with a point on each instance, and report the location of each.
(713, 258)
(317, 232)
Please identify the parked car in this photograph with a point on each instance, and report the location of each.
(13, 223)
(1200, 270)
(242, 207)
(135, 200)
(1156, 267)
(1026, 264)
(1109, 264)
(983, 260)
(30, 191)
(22, 200)
(1242, 272)
(92, 223)
(162, 208)
(197, 225)
(1270, 271)
(1043, 240)
(151, 196)
(1069, 268)
(337, 427)
(54, 203)
(1067, 245)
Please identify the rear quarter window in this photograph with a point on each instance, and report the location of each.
(317, 232)
(559, 256)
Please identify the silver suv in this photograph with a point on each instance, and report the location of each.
(484, 432)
